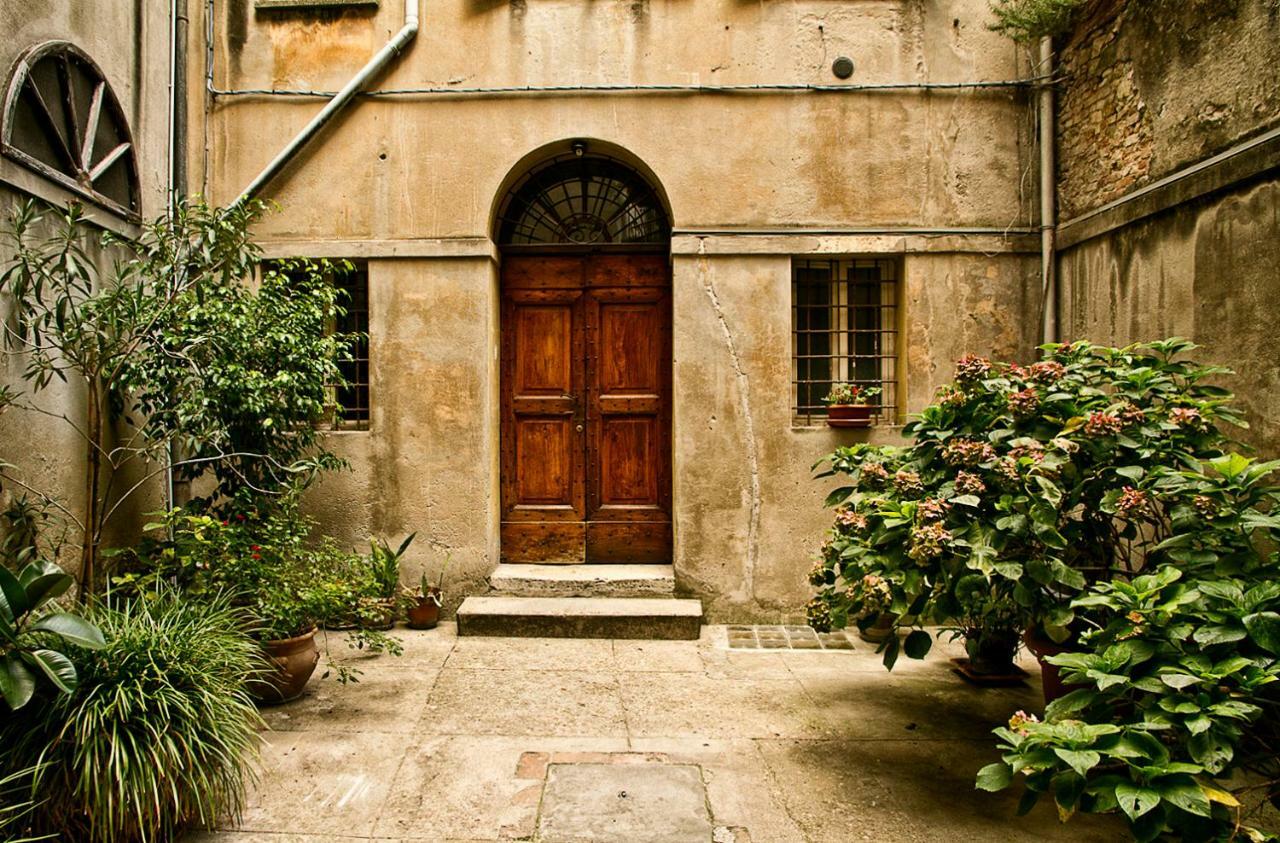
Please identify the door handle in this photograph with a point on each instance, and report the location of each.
(578, 428)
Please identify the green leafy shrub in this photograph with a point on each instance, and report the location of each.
(267, 561)
(1030, 20)
(1092, 497)
(1178, 669)
(1030, 479)
(158, 734)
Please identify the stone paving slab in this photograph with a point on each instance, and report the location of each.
(460, 740)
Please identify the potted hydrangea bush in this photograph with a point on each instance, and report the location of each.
(1032, 478)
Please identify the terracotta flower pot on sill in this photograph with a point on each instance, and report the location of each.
(292, 661)
(850, 415)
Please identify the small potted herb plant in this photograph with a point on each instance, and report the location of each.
(848, 405)
(379, 611)
(424, 601)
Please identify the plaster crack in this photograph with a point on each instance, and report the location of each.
(744, 402)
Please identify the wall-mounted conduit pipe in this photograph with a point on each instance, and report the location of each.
(1048, 199)
(375, 66)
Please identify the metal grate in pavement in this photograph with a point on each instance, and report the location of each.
(786, 638)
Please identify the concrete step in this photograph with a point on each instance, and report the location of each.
(581, 617)
(517, 580)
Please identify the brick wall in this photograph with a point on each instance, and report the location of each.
(1105, 143)
(1150, 86)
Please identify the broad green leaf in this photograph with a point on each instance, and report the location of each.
(1264, 629)
(1179, 680)
(1136, 800)
(46, 587)
(72, 628)
(1187, 795)
(1218, 634)
(13, 595)
(1211, 751)
(1080, 760)
(918, 644)
(994, 777)
(56, 667)
(16, 682)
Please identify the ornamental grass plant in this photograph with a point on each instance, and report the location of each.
(157, 737)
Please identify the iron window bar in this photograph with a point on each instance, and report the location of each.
(844, 330)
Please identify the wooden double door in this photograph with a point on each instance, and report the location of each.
(586, 408)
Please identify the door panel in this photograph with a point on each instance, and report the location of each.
(629, 421)
(586, 416)
(543, 440)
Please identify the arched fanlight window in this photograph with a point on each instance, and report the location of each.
(62, 120)
(582, 201)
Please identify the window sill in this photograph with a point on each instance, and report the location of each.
(315, 4)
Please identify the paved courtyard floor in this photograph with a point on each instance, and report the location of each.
(469, 739)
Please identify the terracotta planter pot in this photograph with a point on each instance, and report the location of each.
(879, 632)
(293, 660)
(425, 613)
(849, 415)
(1041, 646)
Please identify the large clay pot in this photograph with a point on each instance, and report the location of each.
(1041, 646)
(292, 661)
(849, 415)
(880, 631)
(425, 612)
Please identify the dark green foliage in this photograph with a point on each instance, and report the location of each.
(1030, 20)
(34, 635)
(283, 579)
(177, 349)
(158, 733)
(1092, 497)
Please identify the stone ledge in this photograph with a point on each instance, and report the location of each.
(581, 617)
(518, 580)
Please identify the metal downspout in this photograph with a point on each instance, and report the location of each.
(1048, 198)
(340, 100)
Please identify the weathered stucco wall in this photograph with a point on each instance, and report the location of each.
(129, 41)
(1210, 271)
(411, 184)
(749, 514)
(1151, 88)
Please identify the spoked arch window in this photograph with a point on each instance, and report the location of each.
(582, 201)
(62, 120)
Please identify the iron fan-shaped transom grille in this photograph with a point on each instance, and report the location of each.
(62, 120)
(583, 202)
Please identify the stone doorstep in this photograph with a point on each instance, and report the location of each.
(525, 580)
(581, 617)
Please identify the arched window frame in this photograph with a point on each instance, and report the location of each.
(80, 172)
(634, 199)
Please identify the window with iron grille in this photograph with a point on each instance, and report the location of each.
(844, 330)
(353, 397)
(349, 402)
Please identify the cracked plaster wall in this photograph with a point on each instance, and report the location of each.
(415, 177)
(129, 42)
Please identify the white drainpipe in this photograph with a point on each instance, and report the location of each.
(339, 101)
(1048, 197)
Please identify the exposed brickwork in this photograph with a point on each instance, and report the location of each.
(1105, 139)
(1151, 86)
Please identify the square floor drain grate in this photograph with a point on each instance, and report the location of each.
(786, 638)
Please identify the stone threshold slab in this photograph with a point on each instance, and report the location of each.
(526, 580)
(581, 617)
